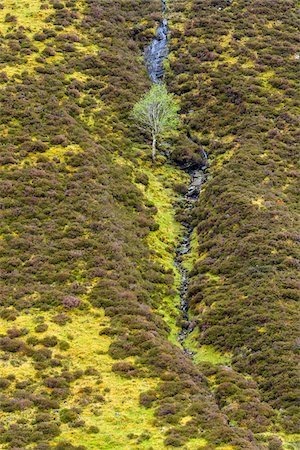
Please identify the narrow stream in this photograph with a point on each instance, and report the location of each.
(154, 57)
(197, 177)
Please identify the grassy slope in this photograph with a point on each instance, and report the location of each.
(235, 69)
(62, 106)
(107, 401)
(87, 348)
(68, 113)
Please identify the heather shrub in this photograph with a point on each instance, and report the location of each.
(126, 369)
(61, 319)
(16, 332)
(147, 398)
(68, 415)
(50, 223)
(4, 383)
(142, 178)
(70, 302)
(93, 429)
(41, 328)
(64, 345)
(49, 341)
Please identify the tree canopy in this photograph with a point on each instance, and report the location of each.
(156, 113)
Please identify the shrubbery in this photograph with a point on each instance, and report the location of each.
(245, 284)
(74, 223)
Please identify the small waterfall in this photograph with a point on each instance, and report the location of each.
(157, 51)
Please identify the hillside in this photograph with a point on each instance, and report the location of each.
(135, 314)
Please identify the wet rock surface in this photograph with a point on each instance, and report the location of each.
(197, 177)
(154, 56)
(156, 52)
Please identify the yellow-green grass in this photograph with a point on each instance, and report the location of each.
(30, 16)
(223, 158)
(212, 277)
(259, 201)
(55, 153)
(289, 441)
(226, 447)
(165, 240)
(82, 333)
(121, 413)
(265, 78)
(169, 310)
(190, 258)
(160, 192)
(225, 40)
(205, 353)
(28, 13)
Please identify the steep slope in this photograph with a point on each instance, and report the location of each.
(74, 237)
(89, 298)
(235, 67)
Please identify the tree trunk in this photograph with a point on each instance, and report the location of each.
(153, 147)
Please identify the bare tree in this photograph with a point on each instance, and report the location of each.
(156, 113)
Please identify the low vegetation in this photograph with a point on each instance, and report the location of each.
(89, 294)
(234, 66)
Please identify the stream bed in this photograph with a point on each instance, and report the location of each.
(154, 56)
(197, 177)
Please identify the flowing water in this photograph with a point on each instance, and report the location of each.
(197, 177)
(154, 56)
(156, 52)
